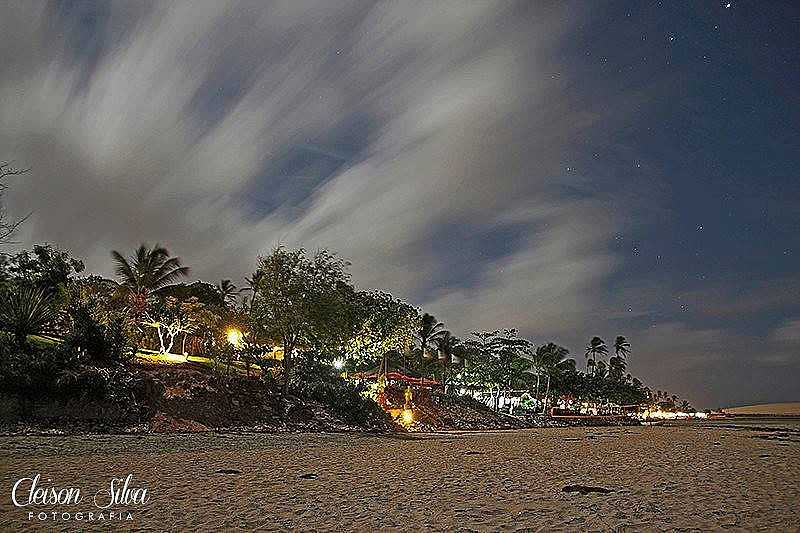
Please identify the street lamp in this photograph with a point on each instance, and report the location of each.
(235, 337)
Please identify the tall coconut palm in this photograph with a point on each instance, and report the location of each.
(548, 360)
(430, 330)
(622, 348)
(616, 368)
(447, 344)
(228, 292)
(148, 270)
(596, 346)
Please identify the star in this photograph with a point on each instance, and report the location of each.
(728, 5)
(700, 227)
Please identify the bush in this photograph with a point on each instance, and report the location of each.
(100, 342)
(35, 370)
(321, 383)
(89, 382)
(25, 310)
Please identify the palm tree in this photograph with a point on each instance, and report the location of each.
(617, 367)
(147, 271)
(25, 311)
(447, 344)
(429, 332)
(549, 359)
(228, 292)
(622, 348)
(596, 346)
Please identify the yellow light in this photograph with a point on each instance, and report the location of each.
(408, 417)
(235, 337)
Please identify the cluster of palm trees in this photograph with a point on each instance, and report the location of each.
(617, 364)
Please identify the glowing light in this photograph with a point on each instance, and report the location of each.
(408, 417)
(235, 337)
(338, 364)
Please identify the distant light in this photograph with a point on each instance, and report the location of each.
(408, 417)
(235, 337)
(338, 364)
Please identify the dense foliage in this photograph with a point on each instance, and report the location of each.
(298, 324)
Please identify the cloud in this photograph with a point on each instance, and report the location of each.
(166, 125)
(788, 332)
(428, 143)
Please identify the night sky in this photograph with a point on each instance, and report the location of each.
(568, 169)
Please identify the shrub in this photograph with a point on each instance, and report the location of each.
(320, 382)
(112, 384)
(35, 370)
(100, 342)
(25, 310)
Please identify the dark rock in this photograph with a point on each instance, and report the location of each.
(585, 489)
(300, 413)
(310, 475)
(228, 471)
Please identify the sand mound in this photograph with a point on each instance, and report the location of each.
(768, 409)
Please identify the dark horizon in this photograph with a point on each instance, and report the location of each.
(567, 170)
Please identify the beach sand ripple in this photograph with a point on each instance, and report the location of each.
(656, 478)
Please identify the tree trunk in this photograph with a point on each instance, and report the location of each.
(287, 369)
(546, 394)
(171, 342)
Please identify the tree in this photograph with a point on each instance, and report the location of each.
(616, 368)
(228, 292)
(550, 359)
(596, 346)
(171, 317)
(386, 324)
(25, 310)
(302, 301)
(7, 228)
(148, 271)
(45, 267)
(448, 345)
(622, 348)
(429, 332)
(500, 358)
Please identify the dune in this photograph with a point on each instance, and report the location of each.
(769, 409)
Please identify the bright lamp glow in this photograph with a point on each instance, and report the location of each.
(235, 337)
(338, 364)
(408, 417)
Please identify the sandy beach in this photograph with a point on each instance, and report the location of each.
(652, 478)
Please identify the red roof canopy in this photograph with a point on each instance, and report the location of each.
(396, 376)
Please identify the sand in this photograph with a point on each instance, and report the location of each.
(774, 409)
(656, 478)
